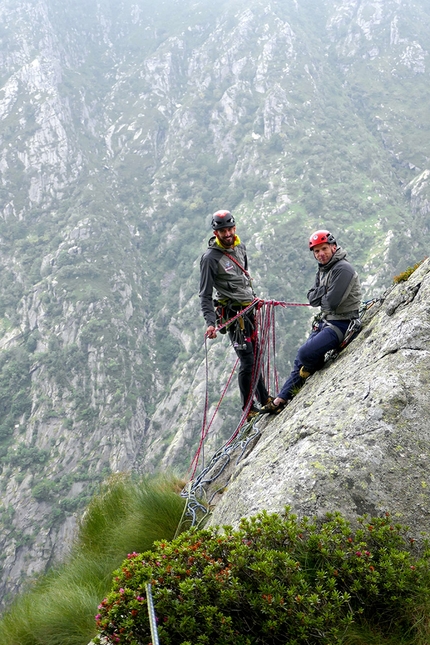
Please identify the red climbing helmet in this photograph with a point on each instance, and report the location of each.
(321, 237)
(222, 219)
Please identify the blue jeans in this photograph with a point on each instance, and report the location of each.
(311, 355)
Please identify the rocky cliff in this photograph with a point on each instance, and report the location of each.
(356, 438)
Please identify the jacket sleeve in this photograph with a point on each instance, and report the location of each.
(208, 271)
(342, 274)
(316, 293)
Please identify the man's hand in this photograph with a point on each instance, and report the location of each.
(210, 332)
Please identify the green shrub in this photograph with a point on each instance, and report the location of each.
(275, 580)
(43, 490)
(402, 277)
(27, 457)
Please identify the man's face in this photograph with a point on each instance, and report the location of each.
(323, 253)
(226, 235)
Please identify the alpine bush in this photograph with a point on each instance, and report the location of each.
(402, 277)
(276, 579)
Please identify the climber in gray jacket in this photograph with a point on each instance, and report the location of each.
(224, 268)
(337, 292)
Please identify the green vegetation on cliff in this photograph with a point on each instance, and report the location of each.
(126, 515)
(275, 578)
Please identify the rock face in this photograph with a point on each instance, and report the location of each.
(356, 438)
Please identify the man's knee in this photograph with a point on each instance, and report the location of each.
(312, 353)
(307, 355)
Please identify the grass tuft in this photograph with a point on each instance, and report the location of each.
(127, 516)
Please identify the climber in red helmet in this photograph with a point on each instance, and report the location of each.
(224, 267)
(337, 292)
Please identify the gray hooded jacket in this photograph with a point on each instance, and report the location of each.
(336, 289)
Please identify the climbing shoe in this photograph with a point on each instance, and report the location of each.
(252, 413)
(271, 408)
(304, 373)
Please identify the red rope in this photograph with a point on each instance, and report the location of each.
(206, 428)
(285, 304)
(264, 344)
(261, 349)
(275, 371)
(260, 302)
(238, 315)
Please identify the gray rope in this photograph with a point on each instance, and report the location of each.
(195, 491)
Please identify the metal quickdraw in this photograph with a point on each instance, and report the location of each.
(239, 340)
(316, 322)
(221, 316)
(354, 328)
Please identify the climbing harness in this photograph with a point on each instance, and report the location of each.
(224, 325)
(238, 330)
(352, 331)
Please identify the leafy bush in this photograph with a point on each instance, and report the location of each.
(15, 383)
(27, 457)
(43, 490)
(275, 580)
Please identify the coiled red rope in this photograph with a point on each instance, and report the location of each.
(264, 346)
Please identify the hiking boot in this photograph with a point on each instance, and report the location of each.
(304, 372)
(271, 408)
